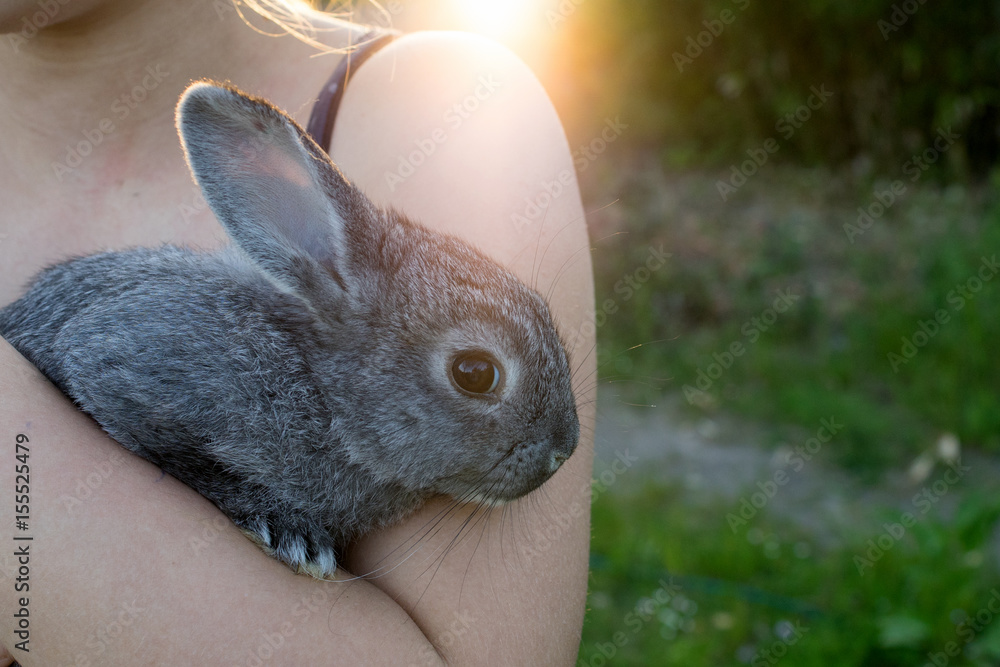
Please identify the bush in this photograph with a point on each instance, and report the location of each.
(706, 80)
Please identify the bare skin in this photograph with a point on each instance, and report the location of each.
(131, 567)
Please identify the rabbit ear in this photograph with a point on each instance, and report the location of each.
(275, 191)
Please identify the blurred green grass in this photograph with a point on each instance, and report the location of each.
(828, 354)
(730, 596)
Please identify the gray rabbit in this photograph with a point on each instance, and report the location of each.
(324, 374)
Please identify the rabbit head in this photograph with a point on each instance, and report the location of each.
(442, 372)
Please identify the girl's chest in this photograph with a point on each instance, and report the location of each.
(35, 233)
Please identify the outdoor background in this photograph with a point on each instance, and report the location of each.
(799, 424)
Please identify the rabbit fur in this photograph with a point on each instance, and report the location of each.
(302, 378)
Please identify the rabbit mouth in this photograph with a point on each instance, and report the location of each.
(484, 500)
(519, 472)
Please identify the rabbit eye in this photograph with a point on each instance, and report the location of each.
(475, 373)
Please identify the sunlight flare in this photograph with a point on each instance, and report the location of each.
(500, 20)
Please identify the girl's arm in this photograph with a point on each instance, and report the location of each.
(127, 566)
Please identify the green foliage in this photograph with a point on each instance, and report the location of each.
(738, 593)
(897, 77)
(859, 344)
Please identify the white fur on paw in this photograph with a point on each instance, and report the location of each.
(327, 561)
(256, 529)
(265, 534)
(323, 567)
(294, 550)
(254, 536)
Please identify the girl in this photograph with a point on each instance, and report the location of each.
(128, 567)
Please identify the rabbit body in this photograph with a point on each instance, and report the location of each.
(199, 365)
(323, 375)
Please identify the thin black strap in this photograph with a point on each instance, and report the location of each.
(324, 112)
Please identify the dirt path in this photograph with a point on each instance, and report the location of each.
(722, 460)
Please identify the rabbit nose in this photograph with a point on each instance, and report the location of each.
(556, 460)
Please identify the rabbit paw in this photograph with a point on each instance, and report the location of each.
(300, 544)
